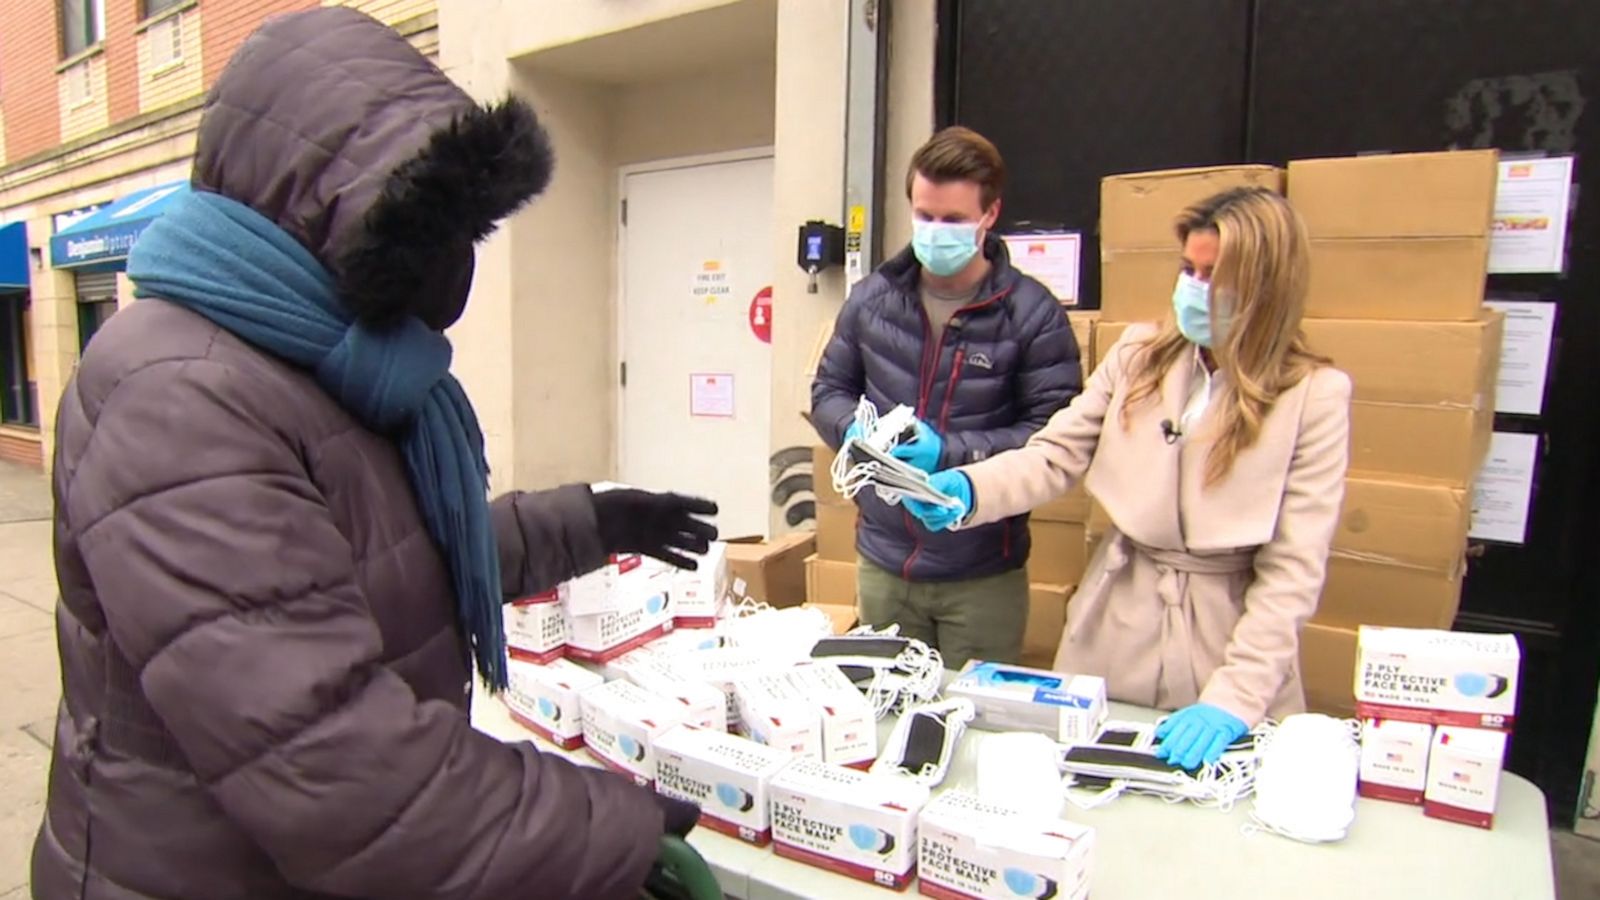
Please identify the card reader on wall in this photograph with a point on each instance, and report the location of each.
(821, 246)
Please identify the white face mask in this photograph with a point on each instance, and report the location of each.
(1306, 780)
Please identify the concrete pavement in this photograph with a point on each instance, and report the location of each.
(30, 676)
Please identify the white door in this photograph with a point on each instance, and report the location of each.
(696, 250)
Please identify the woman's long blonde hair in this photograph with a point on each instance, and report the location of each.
(1258, 297)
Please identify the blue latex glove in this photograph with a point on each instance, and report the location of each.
(940, 518)
(1197, 734)
(853, 432)
(924, 451)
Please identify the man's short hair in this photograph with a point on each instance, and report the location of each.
(960, 154)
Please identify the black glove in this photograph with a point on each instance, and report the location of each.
(661, 526)
(678, 816)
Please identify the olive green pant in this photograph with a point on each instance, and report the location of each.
(982, 618)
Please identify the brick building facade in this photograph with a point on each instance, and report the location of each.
(99, 100)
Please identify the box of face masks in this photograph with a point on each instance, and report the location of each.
(853, 823)
(546, 699)
(537, 629)
(968, 849)
(620, 723)
(623, 583)
(699, 597)
(722, 668)
(606, 636)
(725, 775)
(1065, 708)
(1394, 759)
(703, 705)
(1437, 677)
(1464, 775)
(849, 726)
(772, 711)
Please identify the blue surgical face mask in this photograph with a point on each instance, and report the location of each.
(944, 248)
(1191, 303)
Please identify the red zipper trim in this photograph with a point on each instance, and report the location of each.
(950, 390)
(924, 370)
(916, 551)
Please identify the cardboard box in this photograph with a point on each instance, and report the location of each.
(620, 724)
(1393, 278)
(1361, 592)
(830, 583)
(1047, 617)
(972, 849)
(1394, 759)
(1106, 335)
(1464, 775)
(1071, 507)
(1082, 322)
(1404, 524)
(771, 571)
(822, 478)
(702, 705)
(547, 699)
(1449, 364)
(1065, 708)
(727, 776)
(852, 823)
(537, 629)
(1136, 285)
(1138, 209)
(1060, 552)
(1442, 444)
(1437, 677)
(843, 617)
(1400, 195)
(1327, 669)
(836, 532)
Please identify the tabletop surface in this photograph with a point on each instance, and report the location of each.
(1145, 847)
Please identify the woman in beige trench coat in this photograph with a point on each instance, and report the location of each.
(1218, 444)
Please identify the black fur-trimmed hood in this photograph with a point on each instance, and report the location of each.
(335, 127)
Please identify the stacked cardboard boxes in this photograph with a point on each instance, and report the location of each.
(1139, 254)
(1399, 248)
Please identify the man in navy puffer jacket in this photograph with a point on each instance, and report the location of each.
(985, 356)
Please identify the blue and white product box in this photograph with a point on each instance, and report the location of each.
(703, 705)
(1437, 677)
(537, 628)
(620, 724)
(727, 776)
(773, 711)
(700, 596)
(721, 667)
(1067, 708)
(846, 821)
(619, 585)
(546, 699)
(849, 725)
(606, 636)
(972, 850)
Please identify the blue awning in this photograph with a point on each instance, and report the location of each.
(107, 234)
(14, 257)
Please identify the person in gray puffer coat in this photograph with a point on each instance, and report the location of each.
(276, 555)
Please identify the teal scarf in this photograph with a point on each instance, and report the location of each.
(225, 261)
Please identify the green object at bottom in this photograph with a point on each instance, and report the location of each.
(681, 873)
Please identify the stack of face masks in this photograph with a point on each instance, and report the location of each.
(1122, 760)
(1306, 786)
(895, 673)
(865, 461)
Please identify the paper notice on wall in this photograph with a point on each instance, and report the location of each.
(1524, 356)
(1529, 232)
(1053, 259)
(1504, 492)
(711, 395)
(712, 284)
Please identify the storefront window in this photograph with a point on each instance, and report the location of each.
(18, 393)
